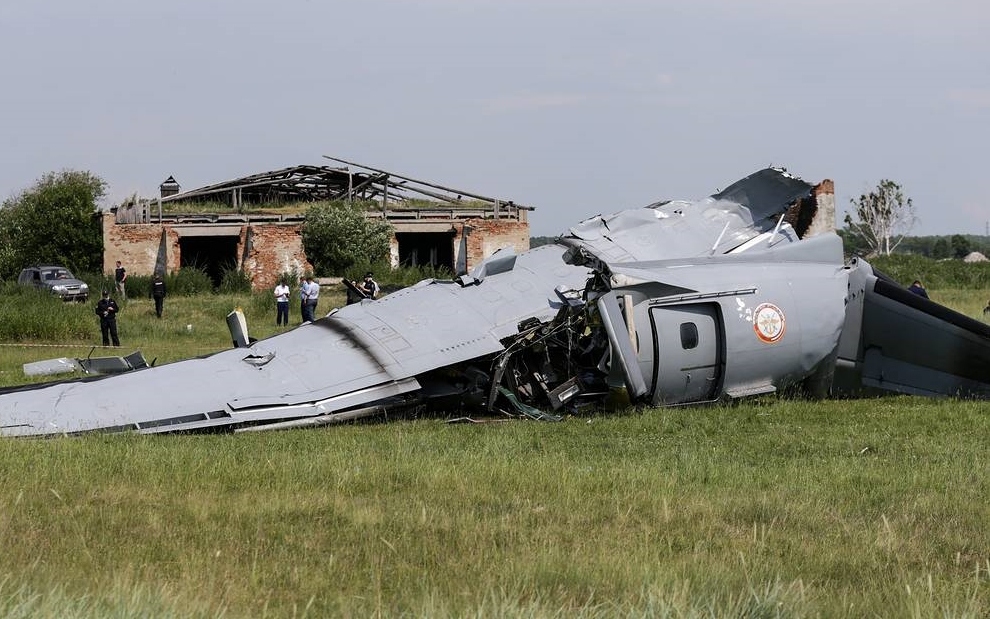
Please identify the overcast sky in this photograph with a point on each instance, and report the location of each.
(576, 107)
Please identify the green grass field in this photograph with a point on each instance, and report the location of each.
(772, 508)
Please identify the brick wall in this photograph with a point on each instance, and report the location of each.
(815, 214)
(138, 247)
(274, 249)
(488, 235)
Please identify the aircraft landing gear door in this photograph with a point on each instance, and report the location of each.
(689, 350)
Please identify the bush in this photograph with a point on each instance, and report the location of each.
(337, 235)
(188, 280)
(234, 281)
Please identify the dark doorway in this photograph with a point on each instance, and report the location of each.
(212, 254)
(426, 249)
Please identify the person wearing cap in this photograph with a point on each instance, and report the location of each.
(107, 310)
(369, 286)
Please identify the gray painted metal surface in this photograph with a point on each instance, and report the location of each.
(680, 302)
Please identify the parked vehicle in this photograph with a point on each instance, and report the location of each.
(57, 280)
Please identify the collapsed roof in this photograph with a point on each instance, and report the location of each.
(310, 183)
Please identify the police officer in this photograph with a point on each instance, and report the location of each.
(107, 310)
(158, 293)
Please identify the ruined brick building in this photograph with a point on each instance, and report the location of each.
(245, 229)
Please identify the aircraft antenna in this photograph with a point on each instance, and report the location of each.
(719, 239)
(775, 230)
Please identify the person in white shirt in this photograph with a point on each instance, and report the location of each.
(282, 304)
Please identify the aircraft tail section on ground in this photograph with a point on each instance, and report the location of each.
(897, 341)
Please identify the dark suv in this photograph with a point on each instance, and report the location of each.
(57, 280)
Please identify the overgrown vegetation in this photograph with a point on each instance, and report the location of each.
(28, 314)
(941, 274)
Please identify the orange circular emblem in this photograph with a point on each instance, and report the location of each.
(768, 322)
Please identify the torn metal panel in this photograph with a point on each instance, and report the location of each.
(621, 347)
(113, 365)
(88, 365)
(51, 367)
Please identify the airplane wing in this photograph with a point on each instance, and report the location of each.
(361, 353)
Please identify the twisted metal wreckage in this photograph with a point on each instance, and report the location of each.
(741, 293)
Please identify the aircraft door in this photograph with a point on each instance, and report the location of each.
(689, 347)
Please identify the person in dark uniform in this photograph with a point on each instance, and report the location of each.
(918, 288)
(158, 293)
(369, 286)
(119, 278)
(107, 310)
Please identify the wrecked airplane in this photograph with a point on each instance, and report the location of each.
(742, 293)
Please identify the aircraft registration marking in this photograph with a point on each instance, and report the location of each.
(768, 323)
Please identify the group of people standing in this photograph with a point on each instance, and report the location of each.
(309, 297)
(107, 307)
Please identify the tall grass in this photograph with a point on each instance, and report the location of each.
(31, 314)
(935, 274)
(773, 508)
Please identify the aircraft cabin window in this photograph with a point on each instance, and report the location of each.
(689, 335)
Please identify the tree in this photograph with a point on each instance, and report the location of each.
(883, 217)
(941, 249)
(337, 235)
(853, 243)
(53, 222)
(960, 246)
